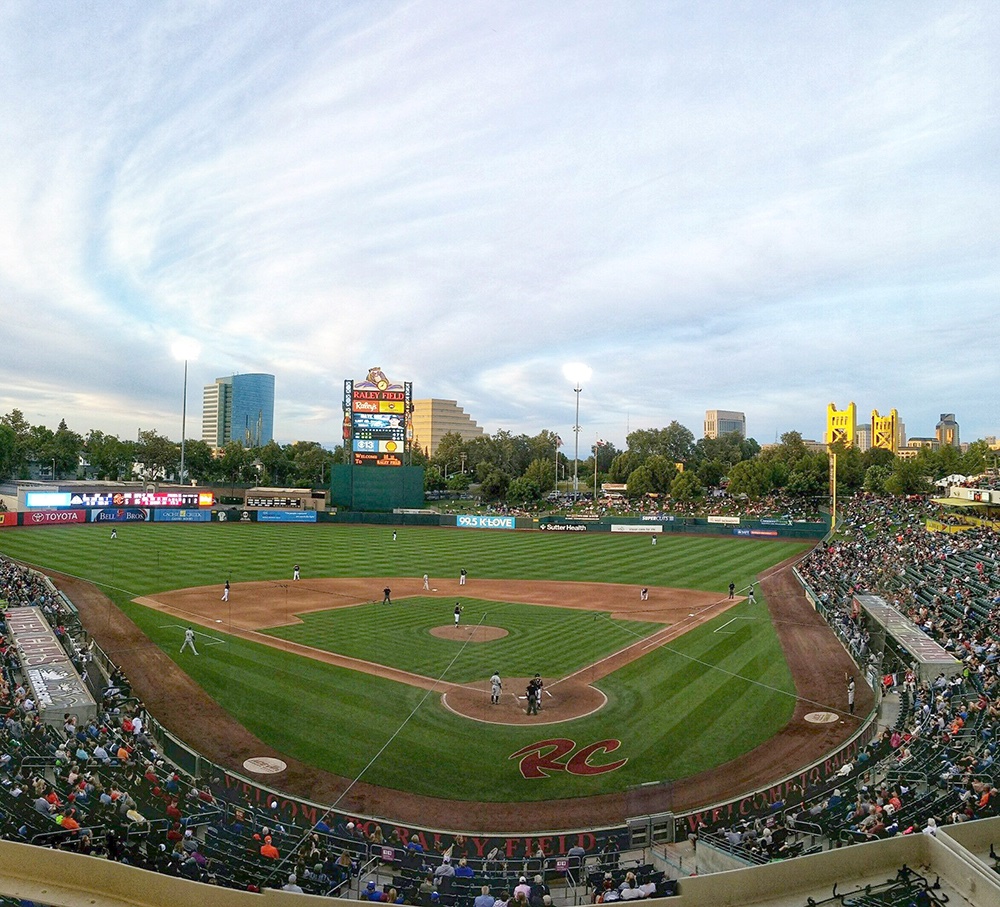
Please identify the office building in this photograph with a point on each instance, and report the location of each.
(433, 419)
(722, 422)
(947, 431)
(239, 408)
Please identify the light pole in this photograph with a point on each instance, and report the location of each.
(577, 373)
(185, 349)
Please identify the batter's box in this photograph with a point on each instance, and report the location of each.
(203, 638)
(727, 629)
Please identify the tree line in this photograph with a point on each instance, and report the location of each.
(519, 469)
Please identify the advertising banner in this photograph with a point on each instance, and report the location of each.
(142, 499)
(39, 499)
(234, 515)
(770, 522)
(120, 515)
(7, 519)
(477, 521)
(729, 520)
(54, 517)
(563, 527)
(657, 518)
(632, 527)
(286, 516)
(172, 515)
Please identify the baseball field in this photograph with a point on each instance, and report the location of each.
(321, 672)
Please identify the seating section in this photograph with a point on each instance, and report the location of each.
(106, 789)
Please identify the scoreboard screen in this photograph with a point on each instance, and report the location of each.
(376, 419)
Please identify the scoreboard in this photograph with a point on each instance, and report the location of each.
(377, 419)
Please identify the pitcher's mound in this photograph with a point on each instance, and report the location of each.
(468, 633)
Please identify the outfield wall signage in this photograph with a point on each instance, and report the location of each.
(477, 521)
(235, 515)
(54, 517)
(729, 520)
(174, 515)
(563, 527)
(286, 516)
(635, 527)
(40, 499)
(274, 503)
(770, 522)
(7, 519)
(120, 515)
(657, 518)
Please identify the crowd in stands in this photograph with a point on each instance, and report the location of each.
(102, 786)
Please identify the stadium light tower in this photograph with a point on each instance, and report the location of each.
(577, 373)
(184, 349)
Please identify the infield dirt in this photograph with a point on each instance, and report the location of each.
(817, 662)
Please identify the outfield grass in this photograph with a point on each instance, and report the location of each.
(683, 708)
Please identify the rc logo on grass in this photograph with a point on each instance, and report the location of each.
(540, 759)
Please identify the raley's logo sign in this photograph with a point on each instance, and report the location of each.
(539, 760)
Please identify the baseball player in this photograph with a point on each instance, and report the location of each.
(427, 581)
(458, 613)
(295, 572)
(387, 596)
(462, 574)
(114, 532)
(750, 597)
(188, 641)
(496, 685)
(225, 592)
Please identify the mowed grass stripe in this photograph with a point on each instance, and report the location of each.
(549, 640)
(662, 707)
(151, 557)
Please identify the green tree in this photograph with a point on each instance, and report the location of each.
(156, 456)
(542, 473)
(22, 452)
(623, 466)
(712, 472)
(494, 485)
(278, 466)
(523, 491)
(66, 448)
(876, 477)
(907, 478)
(975, 459)
(662, 472)
(640, 482)
(8, 452)
(109, 456)
(686, 487)
(310, 463)
(750, 477)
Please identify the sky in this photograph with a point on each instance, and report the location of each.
(759, 206)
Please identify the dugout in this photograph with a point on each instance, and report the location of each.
(376, 488)
(888, 628)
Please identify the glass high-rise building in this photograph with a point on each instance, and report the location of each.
(239, 408)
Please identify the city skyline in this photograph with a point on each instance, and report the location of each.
(759, 210)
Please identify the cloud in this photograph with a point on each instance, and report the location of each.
(755, 211)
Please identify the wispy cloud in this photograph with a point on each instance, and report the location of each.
(756, 209)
